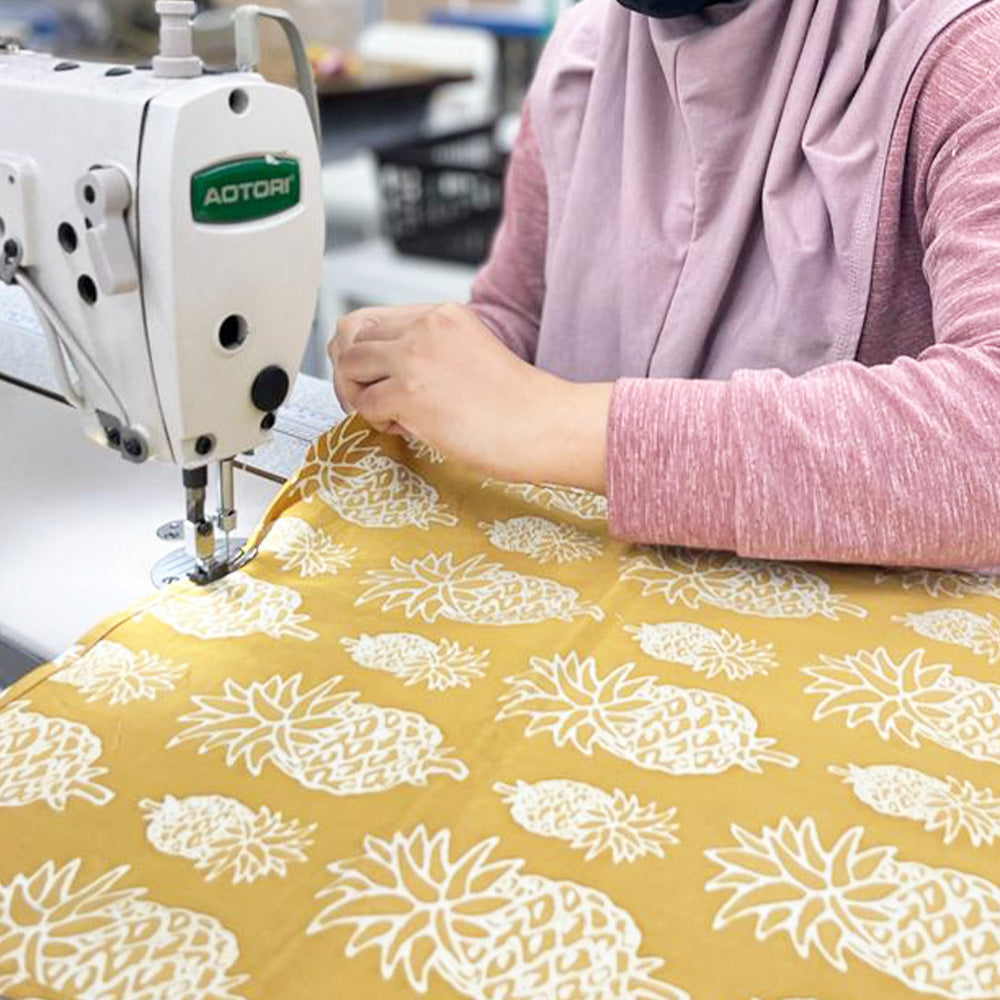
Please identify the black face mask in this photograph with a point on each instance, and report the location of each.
(670, 8)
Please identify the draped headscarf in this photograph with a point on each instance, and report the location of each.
(714, 180)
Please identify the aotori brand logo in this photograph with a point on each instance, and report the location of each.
(245, 190)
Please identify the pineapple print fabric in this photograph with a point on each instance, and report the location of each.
(447, 738)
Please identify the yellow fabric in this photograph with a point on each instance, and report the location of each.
(448, 737)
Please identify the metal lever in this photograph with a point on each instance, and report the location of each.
(104, 195)
(247, 25)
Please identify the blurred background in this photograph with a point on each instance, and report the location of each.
(420, 102)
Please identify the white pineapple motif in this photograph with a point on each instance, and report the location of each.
(235, 606)
(656, 726)
(743, 586)
(936, 930)
(483, 926)
(61, 934)
(944, 583)
(980, 633)
(705, 650)
(114, 674)
(951, 805)
(222, 835)
(591, 819)
(912, 700)
(299, 546)
(415, 659)
(473, 592)
(346, 470)
(421, 449)
(542, 540)
(47, 759)
(324, 739)
(565, 499)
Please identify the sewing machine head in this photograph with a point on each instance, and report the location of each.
(167, 225)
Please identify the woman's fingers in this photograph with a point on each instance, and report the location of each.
(346, 392)
(376, 332)
(371, 325)
(379, 323)
(368, 361)
(379, 405)
(392, 325)
(348, 327)
(351, 324)
(333, 350)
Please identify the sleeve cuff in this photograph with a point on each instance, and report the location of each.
(671, 463)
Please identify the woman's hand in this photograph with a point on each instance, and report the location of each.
(349, 326)
(439, 375)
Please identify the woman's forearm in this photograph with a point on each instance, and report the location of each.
(898, 464)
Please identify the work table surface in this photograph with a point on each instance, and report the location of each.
(78, 525)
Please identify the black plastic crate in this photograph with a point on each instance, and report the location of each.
(442, 196)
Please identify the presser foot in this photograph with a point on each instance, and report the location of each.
(181, 565)
(210, 552)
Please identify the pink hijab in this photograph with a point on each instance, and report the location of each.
(714, 181)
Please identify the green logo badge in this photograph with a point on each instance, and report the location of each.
(245, 190)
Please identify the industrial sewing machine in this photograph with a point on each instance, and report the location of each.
(166, 223)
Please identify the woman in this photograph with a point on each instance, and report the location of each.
(747, 283)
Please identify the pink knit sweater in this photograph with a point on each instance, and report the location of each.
(893, 458)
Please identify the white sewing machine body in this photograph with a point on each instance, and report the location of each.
(193, 277)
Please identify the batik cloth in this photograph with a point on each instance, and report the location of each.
(444, 737)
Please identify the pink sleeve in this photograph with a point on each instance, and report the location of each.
(895, 464)
(508, 292)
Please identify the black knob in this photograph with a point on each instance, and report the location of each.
(270, 389)
(204, 445)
